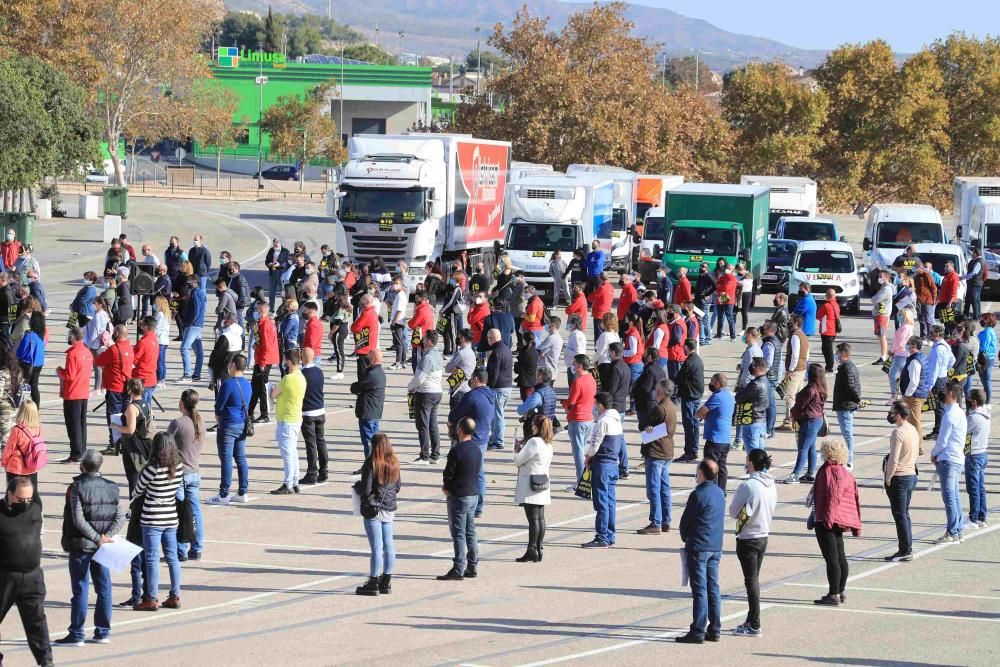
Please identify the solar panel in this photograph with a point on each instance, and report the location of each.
(321, 59)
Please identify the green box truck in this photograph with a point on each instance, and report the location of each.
(706, 222)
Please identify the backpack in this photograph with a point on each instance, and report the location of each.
(145, 422)
(36, 455)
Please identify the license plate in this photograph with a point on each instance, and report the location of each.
(696, 258)
(385, 225)
(770, 276)
(538, 253)
(823, 276)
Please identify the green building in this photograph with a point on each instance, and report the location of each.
(369, 99)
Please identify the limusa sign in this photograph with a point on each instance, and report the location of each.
(230, 56)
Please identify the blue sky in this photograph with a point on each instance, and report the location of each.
(906, 25)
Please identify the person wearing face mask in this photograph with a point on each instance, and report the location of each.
(172, 257)
(628, 296)
(227, 302)
(846, 397)
(201, 260)
(900, 476)
(948, 297)
(21, 579)
(551, 347)
(224, 259)
(717, 414)
(780, 316)
(277, 263)
(557, 270)
(881, 308)
(664, 286)
(704, 294)
(10, 249)
(480, 282)
(454, 298)
(805, 307)
(682, 291)
(927, 296)
(753, 507)
(478, 314)
(726, 294)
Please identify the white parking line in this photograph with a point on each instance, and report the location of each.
(899, 591)
(883, 612)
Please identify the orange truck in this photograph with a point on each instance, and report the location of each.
(652, 193)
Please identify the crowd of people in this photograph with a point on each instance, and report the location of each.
(471, 337)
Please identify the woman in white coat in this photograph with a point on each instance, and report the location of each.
(532, 459)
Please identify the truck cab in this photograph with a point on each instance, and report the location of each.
(798, 228)
(977, 224)
(790, 196)
(654, 236)
(827, 265)
(892, 227)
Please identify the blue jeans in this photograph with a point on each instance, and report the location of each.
(771, 414)
(152, 540)
(973, 298)
(82, 568)
(806, 444)
(692, 426)
(161, 364)
(636, 370)
(482, 481)
(894, 370)
(754, 436)
(383, 548)
(705, 327)
(368, 428)
(948, 473)
(497, 427)
(579, 434)
(985, 376)
(232, 446)
(724, 311)
(604, 485)
(462, 524)
(190, 491)
(703, 575)
(274, 288)
(192, 336)
(845, 418)
(658, 491)
(975, 483)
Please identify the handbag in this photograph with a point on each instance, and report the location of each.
(824, 429)
(247, 422)
(538, 482)
(583, 487)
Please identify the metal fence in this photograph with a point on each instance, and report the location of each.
(205, 185)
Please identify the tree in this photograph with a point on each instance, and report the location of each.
(490, 60)
(54, 31)
(214, 109)
(775, 119)
(241, 30)
(304, 39)
(681, 72)
(369, 53)
(300, 130)
(24, 128)
(886, 128)
(270, 35)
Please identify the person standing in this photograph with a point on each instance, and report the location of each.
(881, 308)
(987, 353)
(277, 263)
(550, 351)
(836, 509)
(601, 457)
(188, 432)
(288, 396)
(397, 321)
(899, 353)
(265, 356)
(22, 581)
(231, 412)
(201, 261)
(461, 472)
(116, 362)
(526, 366)
(941, 360)
(900, 476)
(805, 308)
(313, 421)
(690, 388)
(808, 412)
(500, 369)
(948, 456)
(915, 381)
(594, 265)
(74, 388)
(579, 406)
(577, 307)
(771, 350)
(657, 456)
(828, 318)
(92, 516)
(312, 336)
(425, 386)
(146, 354)
(618, 383)
(366, 331)
(704, 295)
(600, 300)
(977, 458)
(193, 320)
(576, 344)
(370, 390)
(717, 413)
(796, 360)
(478, 406)
(753, 401)
(726, 295)
(974, 280)
(948, 296)
(532, 459)
(753, 507)
(702, 526)
(557, 271)
(846, 398)
(927, 296)
(459, 368)
(378, 488)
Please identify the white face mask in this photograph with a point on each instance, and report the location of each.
(729, 272)
(10, 237)
(197, 243)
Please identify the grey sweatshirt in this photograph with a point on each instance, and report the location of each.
(753, 506)
(979, 430)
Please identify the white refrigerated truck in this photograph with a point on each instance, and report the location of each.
(621, 240)
(790, 196)
(543, 213)
(977, 224)
(419, 197)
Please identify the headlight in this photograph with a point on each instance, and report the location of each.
(851, 283)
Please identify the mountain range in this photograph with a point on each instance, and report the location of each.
(447, 27)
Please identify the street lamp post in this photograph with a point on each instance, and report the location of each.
(399, 55)
(479, 62)
(261, 81)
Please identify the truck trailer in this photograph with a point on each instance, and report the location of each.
(419, 197)
(977, 224)
(790, 196)
(620, 242)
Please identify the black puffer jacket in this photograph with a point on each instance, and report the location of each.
(375, 497)
(847, 388)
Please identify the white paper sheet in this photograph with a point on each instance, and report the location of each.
(117, 554)
(116, 420)
(659, 431)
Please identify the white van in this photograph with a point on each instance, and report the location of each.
(826, 264)
(892, 227)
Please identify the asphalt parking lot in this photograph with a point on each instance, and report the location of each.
(276, 583)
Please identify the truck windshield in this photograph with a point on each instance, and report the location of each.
(654, 229)
(809, 231)
(937, 260)
(640, 210)
(779, 213)
(619, 220)
(376, 204)
(543, 236)
(992, 236)
(702, 241)
(824, 261)
(902, 234)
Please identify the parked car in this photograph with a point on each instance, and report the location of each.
(824, 265)
(780, 253)
(97, 176)
(280, 172)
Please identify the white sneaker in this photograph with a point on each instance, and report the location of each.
(243, 499)
(947, 539)
(970, 525)
(218, 500)
(850, 467)
(571, 489)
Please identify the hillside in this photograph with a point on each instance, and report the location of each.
(447, 27)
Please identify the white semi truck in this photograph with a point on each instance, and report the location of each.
(621, 240)
(790, 196)
(419, 197)
(977, 223)
(544, 213)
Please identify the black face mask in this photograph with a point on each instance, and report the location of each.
(776, 304)
(891, 418)
(19, 508)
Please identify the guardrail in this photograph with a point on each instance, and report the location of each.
(244, 188)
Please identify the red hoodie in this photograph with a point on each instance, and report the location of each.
(477, 316)
(117, 364)
(948, 291)
(421, 322)
(313, 336)
(726, 285)
(831, 311)
(601, 299)
(366, 328)
(533, 315)
(147, 352)
(580, 403)
(75, 376)
(626, 299)
(266, 352)
(578, 307)
(682, 290)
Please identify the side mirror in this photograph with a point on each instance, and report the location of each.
(744, 255)
(867, 245)
(657, 248)
(958, 233)
(843, 239)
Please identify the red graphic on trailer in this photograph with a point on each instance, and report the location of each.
(481, 179)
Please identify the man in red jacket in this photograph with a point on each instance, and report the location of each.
(626, 298)
(147, 353)
(421, 322)
(676, 335)
(682, 290)
(117, 364)
(827, 315)
(600, 300)
(948, 297)
(578, 306)
(74, 383)
(725, 294)
(534, 314)
(579, 408)
(313, 334)
(265, 355)
(365, 330)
